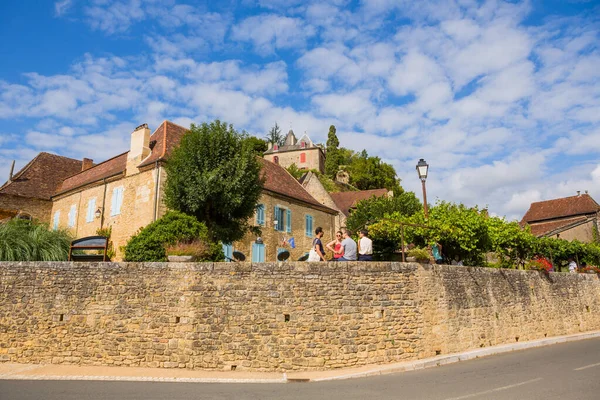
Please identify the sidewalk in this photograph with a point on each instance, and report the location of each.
(74, 372)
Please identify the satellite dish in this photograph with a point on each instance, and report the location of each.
(238, 256)
(304, 257)
(284, 255)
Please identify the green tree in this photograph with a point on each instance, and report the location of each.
(376, 208)
(258, 145)
(295, 171)
(275, 137)
(372, 173)
(150, 242)
(332, 159)
(214, 175)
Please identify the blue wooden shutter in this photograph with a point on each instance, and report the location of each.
(113, 202)
(261, 252)
(56, 218)
(258, 252)
(228, 252)
(91, 210)
(289, 221)
(309, 226)
(72, 214)
(260, 215)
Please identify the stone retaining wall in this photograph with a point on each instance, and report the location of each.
(292, 316)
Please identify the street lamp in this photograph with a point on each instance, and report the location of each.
(422, 168)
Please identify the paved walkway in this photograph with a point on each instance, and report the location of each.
(11, 371)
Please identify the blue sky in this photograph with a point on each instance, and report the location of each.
(501, 98)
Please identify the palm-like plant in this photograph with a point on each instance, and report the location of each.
(22, 240)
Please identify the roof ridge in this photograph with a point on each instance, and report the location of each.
(21, 171)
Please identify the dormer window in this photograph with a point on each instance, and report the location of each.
(276, 160)
(275, 147)
(303, 145)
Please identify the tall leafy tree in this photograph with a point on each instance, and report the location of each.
(376, 208)
(257, 144)
(332, 159)
(372, 173)
(214, 175)
(275, 137)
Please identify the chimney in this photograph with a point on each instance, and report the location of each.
(12, 170)
(579, 193)
(139, 148)
(87, 163)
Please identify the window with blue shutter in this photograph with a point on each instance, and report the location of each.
(116, 201)
(56, 219)
(260, 215)
(288, 225)
(228, 251)
(308, 226)
(279, 217)
(72, 215)
(91, 210)
(258, 252)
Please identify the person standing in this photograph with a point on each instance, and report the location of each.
(365, 246)
(318, 244)
(572, 265)
(348, 248)
(436, 251)
(335, 245)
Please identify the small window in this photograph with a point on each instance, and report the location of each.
(117, 201)
(302, 157)
(276, 160)
(309, 225)
(260, 215)
(258, 252)
(279, 215)
(91, 210)
(72, 215)
(56, 219)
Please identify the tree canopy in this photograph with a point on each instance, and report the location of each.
(371, 173)
(332, 159)
(275, 137)
(258, 145)
(377, 208)
(214, 175)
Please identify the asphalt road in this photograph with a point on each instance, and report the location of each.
(568, 371)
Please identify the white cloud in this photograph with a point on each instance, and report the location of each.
(62, 7)
(269, 32)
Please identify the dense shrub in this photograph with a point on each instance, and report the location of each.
(150, 242)
(22, 240)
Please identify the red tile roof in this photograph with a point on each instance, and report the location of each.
(41, 177)
(543, 228)
(347, 200)
(105, 169)
(167, 136)
(559, 208)
(278, 180)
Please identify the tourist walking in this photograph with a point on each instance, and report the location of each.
(348, 248)
(365, 246)
(335, 245)
(572, 265)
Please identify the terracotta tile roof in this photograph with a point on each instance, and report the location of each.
(559, 208)
(41, 177)
(167, 136)
(105, 169)
(278, 180)
(543, 228)
(347, 200)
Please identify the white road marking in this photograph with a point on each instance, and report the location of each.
(468, 396)
(586, 367)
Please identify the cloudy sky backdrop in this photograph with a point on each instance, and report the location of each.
(501, 98)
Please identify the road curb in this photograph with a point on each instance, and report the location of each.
(314, 375)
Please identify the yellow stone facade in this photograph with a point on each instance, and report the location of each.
(314, 158)
(140, 206)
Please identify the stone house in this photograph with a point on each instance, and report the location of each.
(125, 193)
(27, 194)
(304, 153)
(342, 202)
(569, 218)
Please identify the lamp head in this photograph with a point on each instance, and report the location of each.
(422, 168)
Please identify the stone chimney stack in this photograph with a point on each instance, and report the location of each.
(139, 148)
(87, 163)
(579, 193)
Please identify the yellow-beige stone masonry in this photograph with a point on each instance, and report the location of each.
(13, 205)
(278, 316)
(315, 159)
(273, 239)
(139, 207)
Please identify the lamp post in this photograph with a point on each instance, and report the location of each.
(422, 168)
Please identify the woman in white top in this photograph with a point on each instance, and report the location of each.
(365, 246)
